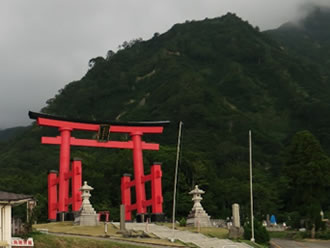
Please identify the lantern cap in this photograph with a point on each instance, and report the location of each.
(86, 187)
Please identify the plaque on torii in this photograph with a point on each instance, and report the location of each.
(58, 185)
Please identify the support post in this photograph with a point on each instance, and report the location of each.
(138, 174)
(251, 187)
(76, 184)
(52, 195)
(126, 195)
(176, 177)
(122, 217)
(64, 170)
(156, 192)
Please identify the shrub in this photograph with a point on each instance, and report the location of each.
(183, 222)
(261, 235)
(323, 235)
(294, 219)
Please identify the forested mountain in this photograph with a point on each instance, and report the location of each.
(221, 77)
(10, 133)
(309, 41)
(307, 37)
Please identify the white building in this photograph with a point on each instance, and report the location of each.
(7, 201)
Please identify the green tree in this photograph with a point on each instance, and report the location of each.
(308, 172)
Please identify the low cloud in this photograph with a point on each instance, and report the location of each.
(309, 6)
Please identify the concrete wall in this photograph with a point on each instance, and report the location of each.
(5, 223)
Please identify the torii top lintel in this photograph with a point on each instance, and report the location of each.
(120, 127)
(114, 127)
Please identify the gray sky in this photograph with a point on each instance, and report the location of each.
(46, 44)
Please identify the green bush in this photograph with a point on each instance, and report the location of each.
(261, 235)
(323, 234)
(183, 222)
(294, 219)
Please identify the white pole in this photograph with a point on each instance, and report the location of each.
(175, 177)
(251, 189)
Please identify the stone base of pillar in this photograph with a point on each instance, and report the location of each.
(236, 232)
(140, 218)
(157, 217)
(60, 216)
(64, 216)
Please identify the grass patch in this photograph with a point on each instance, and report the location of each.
(49, 241)
(214, 232)
(279, 235)
(294, 235)
(67, 227)
(190, 245)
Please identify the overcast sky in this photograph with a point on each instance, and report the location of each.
(46, 44)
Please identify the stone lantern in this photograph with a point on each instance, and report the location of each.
(197, 216)
(87, 215)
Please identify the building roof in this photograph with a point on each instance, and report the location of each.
(7, 197)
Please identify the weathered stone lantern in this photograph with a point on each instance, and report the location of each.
(197, 216)
(87, 215)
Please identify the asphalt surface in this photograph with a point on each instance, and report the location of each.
(283, 243)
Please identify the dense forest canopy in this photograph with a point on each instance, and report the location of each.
(222, 77)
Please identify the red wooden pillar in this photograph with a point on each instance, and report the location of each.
(156, 189)
(52, 195)
(138, 172)
(126, 195)
(76, 184)
(63, 198)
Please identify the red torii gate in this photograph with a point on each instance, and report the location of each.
(58, 202)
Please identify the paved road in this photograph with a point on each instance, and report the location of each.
(198, 239)
(283, 243)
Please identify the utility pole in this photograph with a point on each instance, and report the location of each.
(251, 189)
(176, 176)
